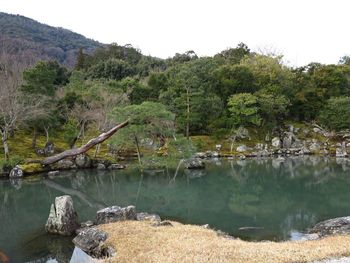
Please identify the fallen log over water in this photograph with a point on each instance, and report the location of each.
(74, 152)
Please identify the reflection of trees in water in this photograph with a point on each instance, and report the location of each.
(290, 193)
(74, 192)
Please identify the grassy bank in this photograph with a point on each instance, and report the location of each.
(139, 241)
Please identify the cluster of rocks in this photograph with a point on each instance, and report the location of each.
(63, 220)
(49, 149)
(83, 161)
(287, 143)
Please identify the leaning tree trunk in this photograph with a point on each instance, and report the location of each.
(74, 152)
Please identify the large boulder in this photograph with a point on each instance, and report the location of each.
(115, 213)
(194, 164)
(83, 161)
(16, 172)
(339, 225)
(63, 220)
(92, 241)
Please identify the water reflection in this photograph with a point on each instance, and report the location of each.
(254, 199)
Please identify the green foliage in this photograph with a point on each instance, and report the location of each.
(273, 108)
(244, 109)
(44, 78)
(336, 113)
(7, 165)
(112, 68)
(234, 79)
(71, 129)
(147, 120)
(235, 55)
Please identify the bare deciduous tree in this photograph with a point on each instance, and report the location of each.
(14, 108)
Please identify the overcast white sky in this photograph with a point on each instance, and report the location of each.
(303, 30)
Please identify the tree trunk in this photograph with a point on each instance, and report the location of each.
(97, 150)
(138, 150)
(12, 132)
(232, 142)
(74, 152)
(81, 131)
(47, 133)
(35, 135)
(5, 144)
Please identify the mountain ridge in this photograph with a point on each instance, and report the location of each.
(29, 41)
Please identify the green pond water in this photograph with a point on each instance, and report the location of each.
(270, 199)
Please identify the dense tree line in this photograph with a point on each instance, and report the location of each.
(191, 95)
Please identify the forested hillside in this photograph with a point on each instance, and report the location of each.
(32, 41)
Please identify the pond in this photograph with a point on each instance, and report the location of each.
(258, 199)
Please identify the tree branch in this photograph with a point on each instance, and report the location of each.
(73, 152)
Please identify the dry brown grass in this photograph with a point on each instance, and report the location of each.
(140, 242)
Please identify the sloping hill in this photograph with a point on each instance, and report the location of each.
(30, 41)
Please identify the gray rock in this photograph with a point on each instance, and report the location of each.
(64, 164)
(339, 225)
(200, 155)
(16, 172)
(162, 223)
(259, 146)
(242, 148)
(116, 166)
(341, 152)
(304, 150)
(287, 140)
(92, 242)
(83, 161)
(148, 217)
(63, 219)
(115, 213)
(101, 166)
(315, 146)
(242, 157)
(194, 164)
(49, 148)
(87, 224)
(276, 142)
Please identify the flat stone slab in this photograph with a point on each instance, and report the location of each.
(115, 213)
(91, 240)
